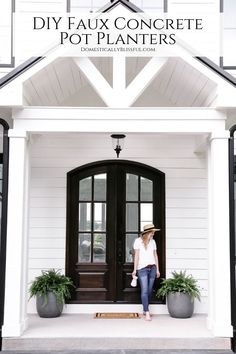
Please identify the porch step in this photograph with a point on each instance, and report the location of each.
(83, 331)
(115, 343)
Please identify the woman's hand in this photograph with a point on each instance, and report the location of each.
(158, 274)
(134, 273)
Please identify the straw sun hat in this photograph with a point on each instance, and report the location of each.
(149, 227)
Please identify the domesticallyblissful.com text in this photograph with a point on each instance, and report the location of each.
(117, 49)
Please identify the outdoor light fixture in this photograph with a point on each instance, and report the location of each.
(118, 143)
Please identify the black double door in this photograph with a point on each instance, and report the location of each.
(107, 205)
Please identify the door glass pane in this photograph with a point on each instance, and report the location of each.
(85, 248)
(131, 187)
(146, 190)
(84, 216)
(131, 217)
(146, 214)
(100, 187)
(99, 248)
(99, 217)
(235, 212)
(129, 250)
(85, 189)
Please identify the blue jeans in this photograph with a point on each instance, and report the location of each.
(146, 277)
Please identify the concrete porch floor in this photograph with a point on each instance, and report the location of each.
(82, 331)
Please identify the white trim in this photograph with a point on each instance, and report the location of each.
(19, 134)
(128, 126)
(222, 331)
(119, 74)
(119, 95)
(111, 120)
(219, 135)
(217, 329)
(17, 236)
(219, 248)
(92, 308)
(96, 79)
(14, 331)
(118, 113)
(141, 81)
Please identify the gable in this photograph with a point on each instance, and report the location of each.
(63, 83)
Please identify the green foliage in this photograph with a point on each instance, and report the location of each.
(179, 283)
(52, 281)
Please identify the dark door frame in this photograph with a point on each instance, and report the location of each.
(3, 236)
(71, 197)
(232, 235)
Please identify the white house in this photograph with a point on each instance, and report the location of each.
(66, 185)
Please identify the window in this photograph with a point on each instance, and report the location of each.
(92, 219)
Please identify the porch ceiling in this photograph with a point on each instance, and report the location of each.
(62, 83)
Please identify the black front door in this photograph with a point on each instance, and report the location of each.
(108, 203)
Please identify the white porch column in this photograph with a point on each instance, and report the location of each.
(16, 272)
(219, 319)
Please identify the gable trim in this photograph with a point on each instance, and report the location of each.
(218, 70)
(125, 3)
(20, 69)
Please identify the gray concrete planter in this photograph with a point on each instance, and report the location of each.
(49, 307)
(180, 305)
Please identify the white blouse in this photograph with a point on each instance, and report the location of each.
(146, 256)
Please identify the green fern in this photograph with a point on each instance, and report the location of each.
(179, 283)
(52, 281)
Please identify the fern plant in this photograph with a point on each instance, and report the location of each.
(179, 283)
(52, 281)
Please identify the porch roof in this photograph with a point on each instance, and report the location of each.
(20, 69)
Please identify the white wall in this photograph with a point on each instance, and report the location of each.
(40, 6)
(5, 32)
(52, 156)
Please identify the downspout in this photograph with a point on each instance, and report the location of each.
(3, 236)
(232, 236)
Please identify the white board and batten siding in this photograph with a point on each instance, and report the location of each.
(193, 6)
(26, 9)
(41, 6)
(5, 34)
(95, 5)
(186, 197)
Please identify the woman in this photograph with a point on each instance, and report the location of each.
(146, 265)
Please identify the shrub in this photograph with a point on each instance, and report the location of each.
(52, 281)
(180, 282)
